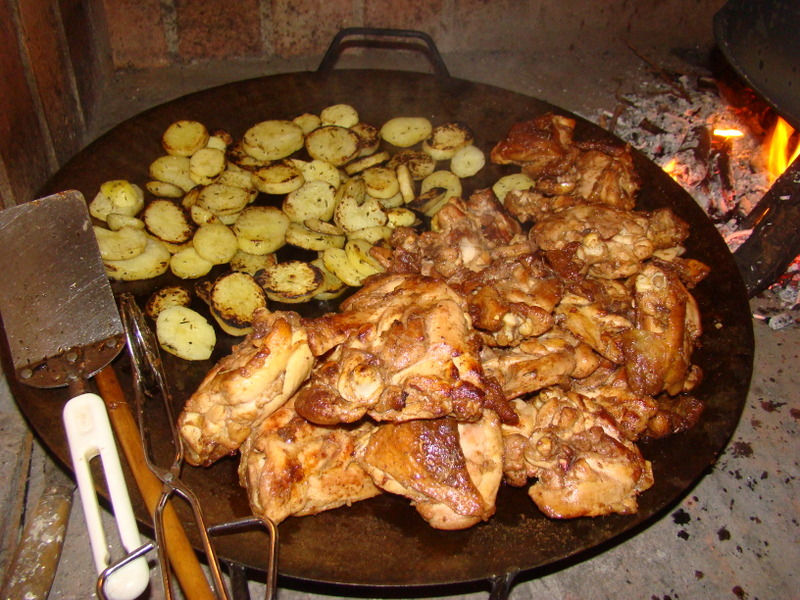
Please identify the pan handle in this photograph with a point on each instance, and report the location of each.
(501, 585)
(338, 44)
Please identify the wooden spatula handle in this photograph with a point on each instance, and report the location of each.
(181, 554)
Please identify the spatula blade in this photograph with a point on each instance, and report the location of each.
(58, 310)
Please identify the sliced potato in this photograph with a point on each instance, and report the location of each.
(168, 221)
(273, 140)
(373, 235)
(206, 165)
(319, 170)
(401, 217)
(369, 138)
(117, 196)
(162, 189)
(280, 177)
(380, 182)
(467, 161)
(515, 181)
(420, 164)
(122, 244)
(184, 138)
(185, 333)
(154, 261)
(291, 282)
(116, 221)
(236, 154)
(350, 216)
(332, 286)
(342, 115)
(442, 179)
(404, 132)
(308, 122)
(301, 236)
(219, 140)
(261, 229)
(405, 182)
(395, 201)
(312, 200)
(445, 140)
(233, 299)
(372, 160)
(335, 145)
(188, 264)
(236, 176)
(336, 261)
(171, 295)
(358, 253)
(251, 263)
(429, 202)
(174, 170)
(202, 216)
(223, 199)
(215, 242)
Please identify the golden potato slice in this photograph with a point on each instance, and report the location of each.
(261, 229)
(117, 196)
(174, 170)
(358, 253)
(301, 236)
(223, 199)
(369, 138)
(215, 242)
(116, 221)
(185, 333)
(312, 200)
(152, 262)
(395, 201)
(162, 189)
(122, 244)
(380, 182)
(236, 154)
(308, 122)
(202, 216)
(233, 299)
(405, 182)
(350, 216)
(291, 282)
(341, 115)
(171, 295)
(336, 261)
(206, 165)
(404, 132)
(280, 177)
(184, 138)
(445, 140)
(273, 140)
(332, 286)
(430, 201)
(168, 221)
(515, 181)
(372, 160)
(188, 264)
(335, 145)
(373, 235)
(319, 170)
(467, 161)
(442, 179)
(401, 217)
(251, 263)
(420, 164)
(236, 176)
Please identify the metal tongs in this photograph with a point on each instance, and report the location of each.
(150, 385)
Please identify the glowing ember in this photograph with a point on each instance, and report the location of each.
(779, 154)
(728, 133)
(669, 168)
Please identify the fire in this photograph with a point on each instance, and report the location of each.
(728, 133)
(779, 148)
(669, 168)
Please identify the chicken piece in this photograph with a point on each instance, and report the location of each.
(512, 299)
(658, 351)
(583, 464)
(631, 412)
(245, 387)
(673, 415)
(450, 471)
(607, 177)
(537, 144)
(415, 356)
(291, 467)
(593, 324)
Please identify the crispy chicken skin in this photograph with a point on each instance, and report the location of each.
(261, 373)
(415, 356)
(291, 467)
(450, 471)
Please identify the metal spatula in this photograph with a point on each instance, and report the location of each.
(63, 326)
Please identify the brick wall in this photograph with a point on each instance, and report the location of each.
(56, 55)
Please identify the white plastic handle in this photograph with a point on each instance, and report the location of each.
(89, 435)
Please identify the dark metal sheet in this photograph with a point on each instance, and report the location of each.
(382, 541)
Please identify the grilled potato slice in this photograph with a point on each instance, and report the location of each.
(308, 122)
(354, 209)
(206, 165)
(251, 263)
(233, 299)
(261, 229)
(442, 179)
(369, 136)
(380, 182)
(215, 242)
(373, 235)
(312, 200)
(236, 154)
(202, 216)
(372, 160)
(184, 138)
(280, 177)
(123, 244)
(291, 282)
(173, 169)
(401, 217)
(162, 189)
(420, 164)
(358, 253)
(117, 196)
(404, 132)
(467, 161)
(445, 140)
(162, 298)
(116, 221)
(429, 202)
(223, 199)
(152, 262)
(168, 221)
(236, 176)
(319, 170)
(188, 264)
(273, 140)
(332, 286)
(515, 181)
(337, 262)
(185, 333)
(342, 115)
(405, 182)
(300, 235)
(335, 145)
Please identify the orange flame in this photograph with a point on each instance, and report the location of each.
(728, 133)
(779, 152)
(669, 168)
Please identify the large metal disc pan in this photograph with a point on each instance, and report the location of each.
(382, 542)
